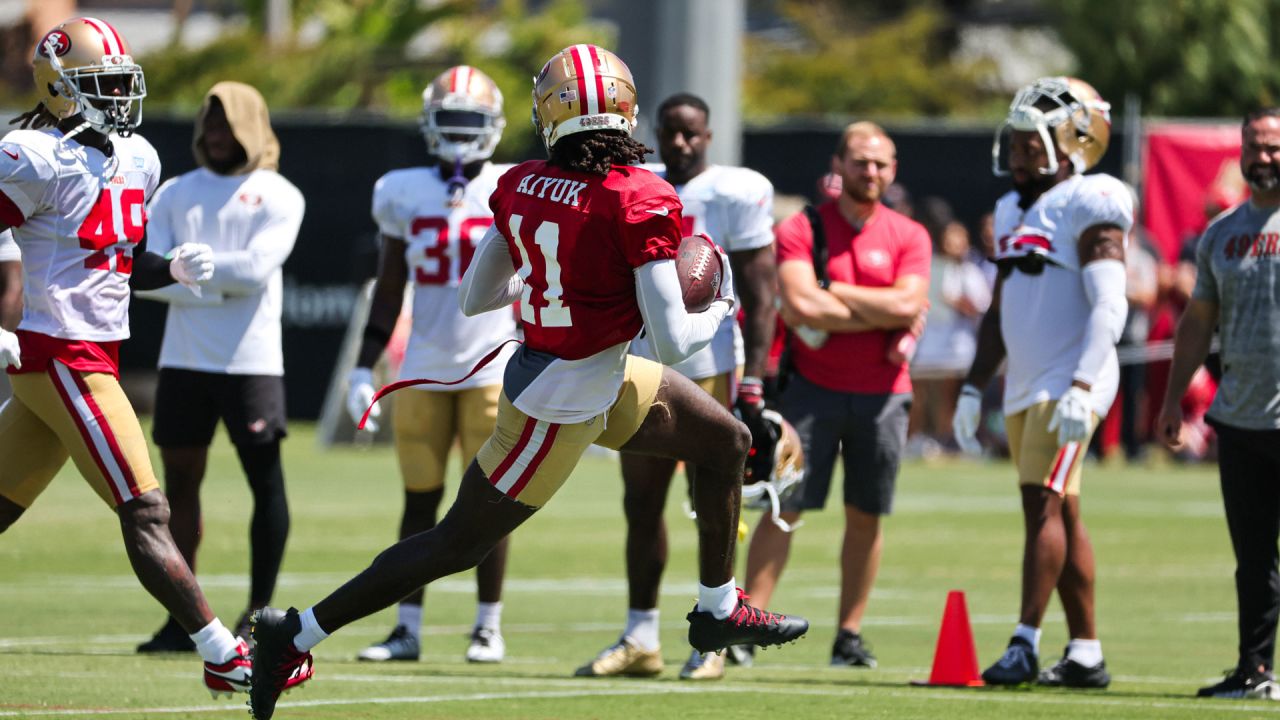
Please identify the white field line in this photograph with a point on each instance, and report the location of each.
(1191, 706)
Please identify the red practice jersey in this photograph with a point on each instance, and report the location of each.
(576, 240)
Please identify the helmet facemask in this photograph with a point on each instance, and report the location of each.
(108, 96)
(462, 118)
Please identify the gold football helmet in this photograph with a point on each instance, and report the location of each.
(580, 89)
(787, 473)
(462, 115)
(85, 67)
(1071, 109)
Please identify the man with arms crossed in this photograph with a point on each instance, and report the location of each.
(1057, 312)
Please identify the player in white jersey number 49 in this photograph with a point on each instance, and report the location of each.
(76, 163)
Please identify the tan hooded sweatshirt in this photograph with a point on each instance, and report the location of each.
(250, 124)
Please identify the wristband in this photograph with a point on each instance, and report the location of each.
(971, 390)
(751, 390)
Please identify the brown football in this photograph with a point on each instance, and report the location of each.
(698, 265)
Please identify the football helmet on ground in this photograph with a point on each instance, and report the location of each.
(462, 118)
(85, 67)
(787, 472)
(1069, 108)
(580, 89)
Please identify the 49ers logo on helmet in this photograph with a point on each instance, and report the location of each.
(61, 43)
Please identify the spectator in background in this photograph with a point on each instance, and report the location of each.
(221, 357)
(878, 269)
(1141, 283)
(958, 295)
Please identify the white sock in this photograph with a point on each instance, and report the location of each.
(410, 616)
(1086, 652)
(311, 633)
(719, 601)
(1030, 634)
(642, 627)
(489, 615)
(214, 642)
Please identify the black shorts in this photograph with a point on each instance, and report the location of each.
(189, 404)
(868, 431)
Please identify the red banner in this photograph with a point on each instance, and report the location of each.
(1190, 173)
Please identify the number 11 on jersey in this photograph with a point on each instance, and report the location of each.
(546, 243)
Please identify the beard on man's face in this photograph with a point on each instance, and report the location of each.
(1263, 176)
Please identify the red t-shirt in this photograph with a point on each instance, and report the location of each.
(576, 240)
(889, 246)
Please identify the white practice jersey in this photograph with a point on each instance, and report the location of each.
(440, 236)
(1043, 317)
(734, 206)
(77, 216)
(9, 251)
(251, 221)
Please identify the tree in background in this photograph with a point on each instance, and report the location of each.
(1181, 57)
(856, 57)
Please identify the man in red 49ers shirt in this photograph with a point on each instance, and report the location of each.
(587, 245)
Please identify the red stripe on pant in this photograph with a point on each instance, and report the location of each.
(109, 435)
(505, 465)
(85, 435)
(547, 441)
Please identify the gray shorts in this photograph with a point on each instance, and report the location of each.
(868, 431)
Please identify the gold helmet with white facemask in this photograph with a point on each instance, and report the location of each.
(1067, 113)
(85, 67)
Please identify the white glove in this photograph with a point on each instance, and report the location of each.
(360, 394)
(967, 418)
(1072, 416)
(10, 352)
(191, 264)
(725, 291)
(812, 337)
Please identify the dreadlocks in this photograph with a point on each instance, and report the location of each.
(35, 118)
(596, 152)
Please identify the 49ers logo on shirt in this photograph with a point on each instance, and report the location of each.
(116, 223)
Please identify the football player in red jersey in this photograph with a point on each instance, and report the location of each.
(587, 244)
(74, 180)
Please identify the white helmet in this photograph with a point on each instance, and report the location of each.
(462, 115)
(1071, 109)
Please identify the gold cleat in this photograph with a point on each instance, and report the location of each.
(623, 658)
(703, 666)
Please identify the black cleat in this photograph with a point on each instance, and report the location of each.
(746, 625)
(1071, 674)
(170, 638)
(848, 649)
(1018, 665)
(741, 655)
(278, 665)
(1256, 684)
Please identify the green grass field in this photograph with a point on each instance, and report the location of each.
(71, 611)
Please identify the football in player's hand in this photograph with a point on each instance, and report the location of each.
(698, 265)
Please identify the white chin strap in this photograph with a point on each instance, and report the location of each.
(775, 510)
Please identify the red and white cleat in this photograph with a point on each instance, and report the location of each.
(231, 676)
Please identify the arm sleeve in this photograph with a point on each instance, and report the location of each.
(249, 270)
(1104, 286)
(490, 282)
(674, 334)
(176, 294)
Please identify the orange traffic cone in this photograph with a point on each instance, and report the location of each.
(955, 661)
